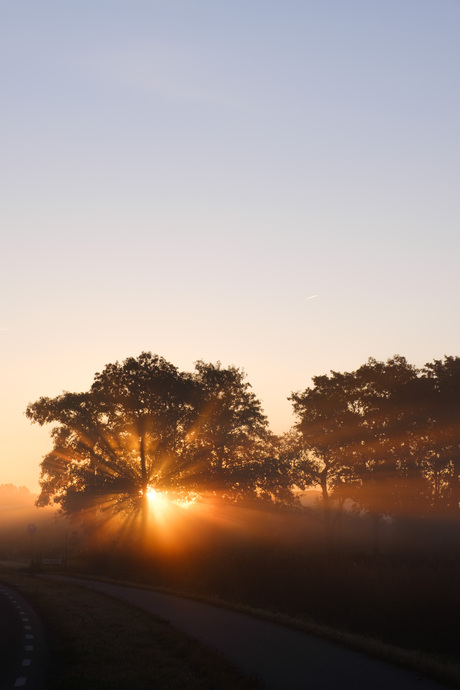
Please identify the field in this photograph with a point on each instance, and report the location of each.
(401, 604)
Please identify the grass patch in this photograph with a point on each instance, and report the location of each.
(98, 643)
(444, 670)
(403, 609)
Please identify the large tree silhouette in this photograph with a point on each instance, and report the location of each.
(328, 426)
(144, 424)
(359, 437)
(118, 438)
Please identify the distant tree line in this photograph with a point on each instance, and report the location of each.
(385, 437)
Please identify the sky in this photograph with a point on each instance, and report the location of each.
(272, 185)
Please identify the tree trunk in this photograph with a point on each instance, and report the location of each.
(327, 509)
(144, 480)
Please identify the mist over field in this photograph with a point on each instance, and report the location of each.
(27, 533)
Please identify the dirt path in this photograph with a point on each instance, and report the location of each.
(279, 657)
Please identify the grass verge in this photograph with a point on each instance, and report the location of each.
(98, 643)
(414, 660)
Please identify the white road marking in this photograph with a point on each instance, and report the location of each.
(26, 662)
(20, 682)
(30, 637)
(29, 648)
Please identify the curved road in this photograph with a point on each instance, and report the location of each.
(22, 643)
(279, 657)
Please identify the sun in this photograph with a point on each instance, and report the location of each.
(154, 497)
(164, 504)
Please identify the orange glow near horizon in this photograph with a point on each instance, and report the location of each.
(154, 497)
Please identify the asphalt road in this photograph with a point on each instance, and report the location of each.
(281, 658)
(22, 643)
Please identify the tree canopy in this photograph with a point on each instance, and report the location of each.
(144, 424)
(385, 436)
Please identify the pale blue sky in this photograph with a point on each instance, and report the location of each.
(180, 176)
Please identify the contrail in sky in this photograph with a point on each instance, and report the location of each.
(311, 297)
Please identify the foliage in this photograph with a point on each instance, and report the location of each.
(385, 436)
(145, 424)
(440, 450)
(229, 429)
